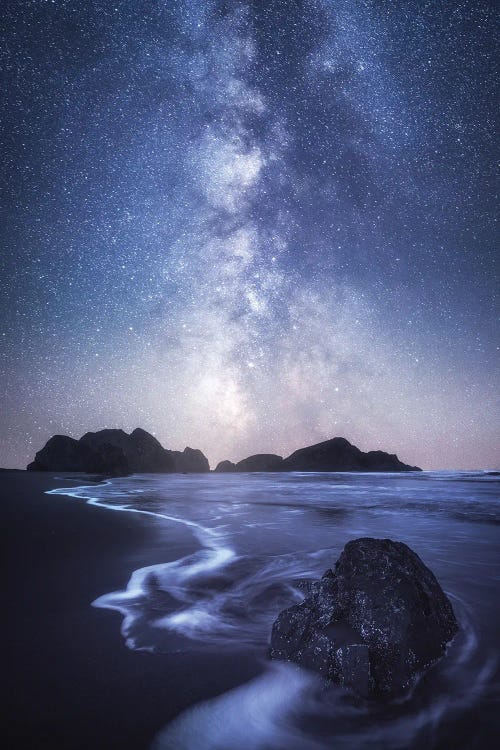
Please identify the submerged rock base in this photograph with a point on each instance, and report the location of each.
(373, 624)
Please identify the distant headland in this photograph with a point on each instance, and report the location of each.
(116, 453)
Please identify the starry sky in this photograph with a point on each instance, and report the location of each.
(250, 226)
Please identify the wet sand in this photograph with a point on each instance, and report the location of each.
(70, 681)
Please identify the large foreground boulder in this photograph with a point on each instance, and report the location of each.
(373, 624)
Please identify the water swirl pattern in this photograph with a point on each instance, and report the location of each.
(254, 537)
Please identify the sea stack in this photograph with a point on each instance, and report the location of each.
(337, 454)
(115, 453)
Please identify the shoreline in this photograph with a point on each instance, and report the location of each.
(71, 681)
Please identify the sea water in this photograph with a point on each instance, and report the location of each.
(256, 536)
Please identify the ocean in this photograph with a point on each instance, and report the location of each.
(256, 536)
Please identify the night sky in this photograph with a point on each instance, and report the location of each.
(250, 226)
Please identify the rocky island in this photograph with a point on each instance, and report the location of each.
(116, 453)
(337, 454)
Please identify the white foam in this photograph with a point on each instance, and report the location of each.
(189, 622)
(192, 622)
(262, 713)
(254, 716)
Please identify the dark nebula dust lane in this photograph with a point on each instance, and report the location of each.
(260, 224)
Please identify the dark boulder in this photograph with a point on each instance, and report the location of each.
(338, 454)
(190, 461)
(260, 462)
(373, 624)
(225, 467)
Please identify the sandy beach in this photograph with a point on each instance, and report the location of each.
(219, 552)
(70, 681)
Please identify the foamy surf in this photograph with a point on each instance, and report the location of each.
(257, 537)
(254, 716)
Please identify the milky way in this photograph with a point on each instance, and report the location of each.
(250, 226)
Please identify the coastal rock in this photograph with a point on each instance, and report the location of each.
(109, 459)
(260, 462)
(147, 454)
(190, 461)
(143, 453)
(116, 453)
(338, 454)
(225, 467)
(62, 453)
(373, 624)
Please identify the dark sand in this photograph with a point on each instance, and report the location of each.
(70, 681)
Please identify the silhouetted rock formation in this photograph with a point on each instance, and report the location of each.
(116, 453)
(110, 459)
(260, 462)
(337, 454)
(373, 624)
(62, 453)
(143, 453)
(225, 467)
(190, 460)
